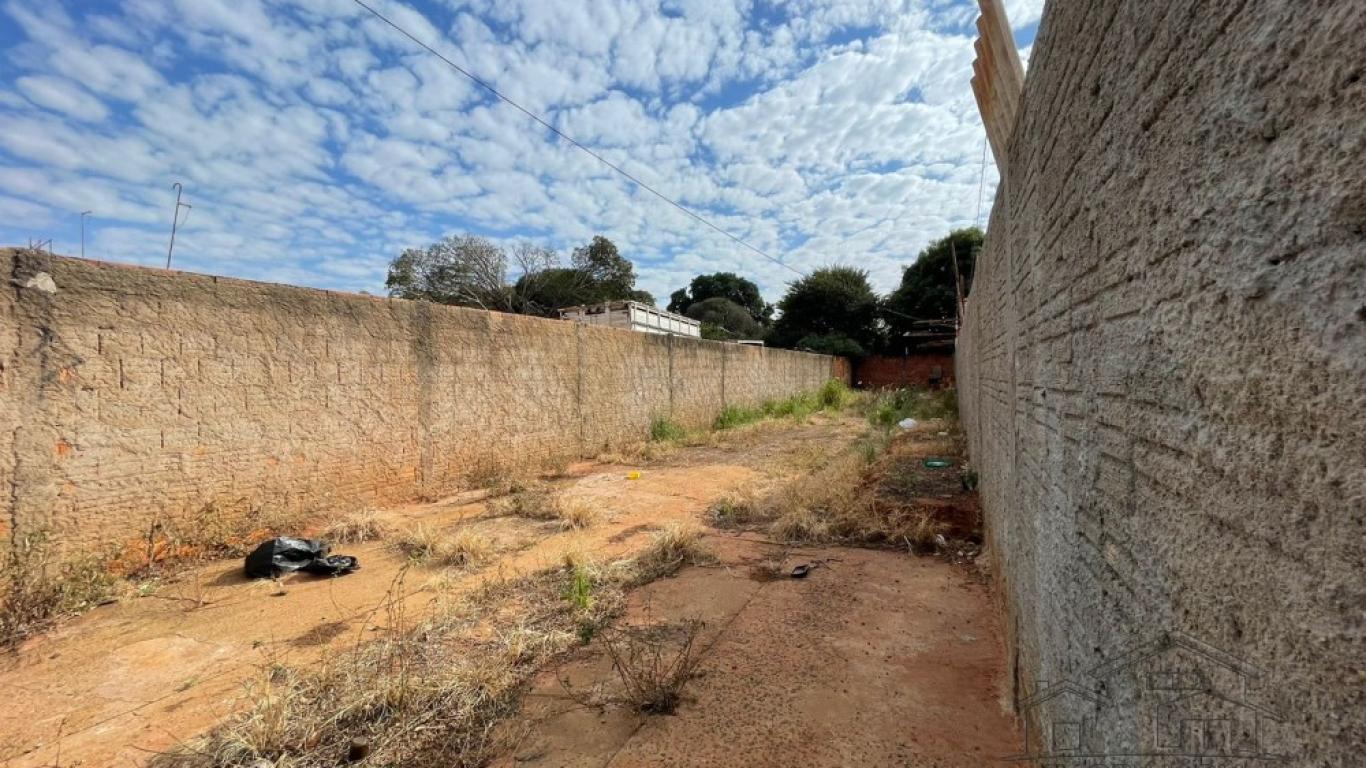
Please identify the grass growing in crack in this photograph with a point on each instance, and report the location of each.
(665, 431)
(428, 546)
(654, 663)
(677, 545)
(356, 528)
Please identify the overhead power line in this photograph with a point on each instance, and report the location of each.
(623, 172)
(633, 179)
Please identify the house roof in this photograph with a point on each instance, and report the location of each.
(1057, 689)
(1167, 641)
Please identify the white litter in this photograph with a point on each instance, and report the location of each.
(906, 423)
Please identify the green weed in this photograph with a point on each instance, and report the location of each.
(663, 430)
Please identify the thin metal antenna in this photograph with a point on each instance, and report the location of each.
(175, 219)
(83, 215)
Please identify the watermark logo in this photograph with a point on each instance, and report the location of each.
(1170, 702)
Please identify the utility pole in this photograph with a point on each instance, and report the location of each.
(83, 215)
(175, 219)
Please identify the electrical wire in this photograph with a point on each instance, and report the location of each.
(486, 86)
(624, 173)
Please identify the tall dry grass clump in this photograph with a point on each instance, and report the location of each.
(426, 545)
(356, 528)
(678, 544)
(840, 503)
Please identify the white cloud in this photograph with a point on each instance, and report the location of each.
(62, 95)
(315, 142)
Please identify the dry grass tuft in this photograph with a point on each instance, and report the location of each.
(576, 513)
(356, 528)
(534, 502)
(428, 546)
(736, 509)
(540, 502)
(677, 545)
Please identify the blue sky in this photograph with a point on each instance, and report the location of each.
(315, 143)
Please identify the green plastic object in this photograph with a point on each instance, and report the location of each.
(938, 463)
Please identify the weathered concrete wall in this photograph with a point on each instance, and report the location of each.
(1163, 366)
(134, 396)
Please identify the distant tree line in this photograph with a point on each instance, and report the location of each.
(472, 271)
(833, 310)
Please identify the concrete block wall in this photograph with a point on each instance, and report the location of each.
(1162, 371)
(131, 397)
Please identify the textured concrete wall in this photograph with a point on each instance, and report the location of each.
(133, 396)
(1163, 366)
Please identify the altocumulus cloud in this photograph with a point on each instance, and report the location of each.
(315, 143)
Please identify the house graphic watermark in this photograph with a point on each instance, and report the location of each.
(1170, 702)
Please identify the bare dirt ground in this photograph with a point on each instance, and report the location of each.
(877, 657)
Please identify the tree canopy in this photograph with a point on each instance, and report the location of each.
(833, 307)
(723, 285)
(928, 290)
(724, 319)
(464, 270)
(471, 271)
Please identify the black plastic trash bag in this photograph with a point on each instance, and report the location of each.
(286, 555)
(333, 565)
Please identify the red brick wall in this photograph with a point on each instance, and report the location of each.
(902, 371)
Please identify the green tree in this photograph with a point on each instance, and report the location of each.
(724, 319)
(723, 285)
(928, 290)
(546, 291)
(832, 307)
(464, 270)
(612, 275)
(599, 274)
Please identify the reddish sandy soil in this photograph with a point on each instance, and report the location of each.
(877, 658)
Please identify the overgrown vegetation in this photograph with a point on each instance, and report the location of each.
(733, 416)
(864, 495)
(735, 509)
(834, 395)
(37, 591)
(423, 694)
(887, 407)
